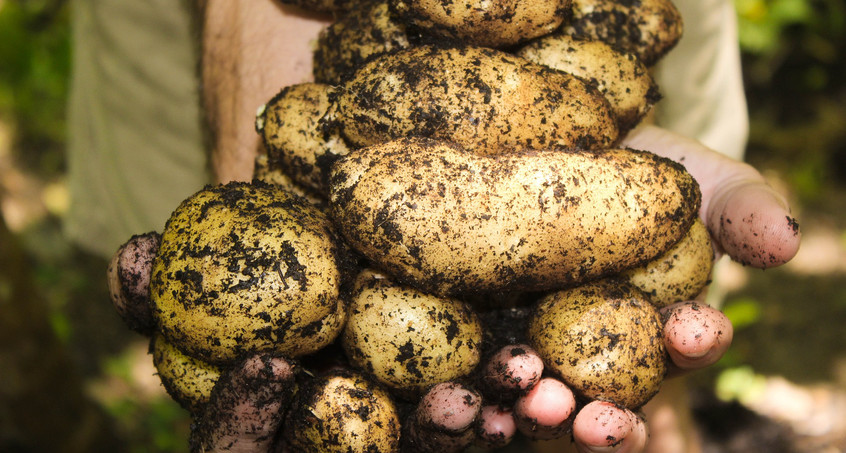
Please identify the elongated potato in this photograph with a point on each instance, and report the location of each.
(450, 222)
(187, 380)
(484, 23)
(679, 274)
(620, 76)
(481, 98)
(646, 28)
(604, 339)
(409, 340)
(246, 268)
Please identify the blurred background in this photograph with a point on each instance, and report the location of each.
(73, 378)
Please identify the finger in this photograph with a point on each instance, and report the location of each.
(695, 334)
(603, 427)
(444, 420)
(546, 411)
(246, 407)
(129, 275)
(513, 369)
(496, 427)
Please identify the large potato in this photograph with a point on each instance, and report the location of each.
(484, 23)
(248, 268)
(480, 98)
(187, 380)
(620, 76)
(450, 222)
(604, 339)
(409, 340)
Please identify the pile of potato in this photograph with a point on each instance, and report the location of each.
(451, 159)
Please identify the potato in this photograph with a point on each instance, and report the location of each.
(604, 339)
(484, 23)
(679, 274)
(409, 340)
(187, 380)
(295, 134)
(452, 223)
(342, 412)
(248, 268)
(480, 98)
(619, 76)
(264, 173)
(646, 28)
(354, 38)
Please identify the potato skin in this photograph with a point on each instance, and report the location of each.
(604, 339)
(187, 380)
(409, 340)
(619, 76)
(484, 23)
(246, 268)
(342, 412)
(681, 273)
(480, 98)
(646, 28)
(453, 223)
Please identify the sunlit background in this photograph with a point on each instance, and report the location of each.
(72, 378)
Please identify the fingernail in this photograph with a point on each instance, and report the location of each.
(601, 449)
(697, 354)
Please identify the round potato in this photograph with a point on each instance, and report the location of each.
(604, 339)
(342, 412)
(483, 99)
(450, 222)
(484, 23)
(679, 274)
(646, 28)
(621, 77)
(187, 380)
(245, 268)
(409, 340)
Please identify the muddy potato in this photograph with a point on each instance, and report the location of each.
(646, 28)
(480, 98)
(484, 23)
(409, 340)
(187, 380)
(679, 274)
(604, 339)
(620, 76)
(263, 172)
(449, 222)
(295, 134)
(342, 412)
(248, 268)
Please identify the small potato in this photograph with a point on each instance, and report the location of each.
(450, 222)
(679, 274)
(621, 77)
(604, 339)
(296, 137)
(484, 23)
(646, 28)
(483, 99)
(409, 340)
(187, 380)
(342, 412)
(353, 39)
(273, 175)
(245, 268)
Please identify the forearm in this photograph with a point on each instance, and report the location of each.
(250, 50)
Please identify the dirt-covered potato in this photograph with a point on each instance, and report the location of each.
(646, 28)
(484, 23)
(409, 340)
(450, 222)
(274, 175)
(679, 274)
(295, 134)
(604, 339)
(342, 412)
(354, 38)
(187, 380)
(248, 268)
(620, 76)
(480, 98)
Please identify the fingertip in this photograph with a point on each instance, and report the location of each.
(603, 427)
(514, 367)
(545, 412)
(696, 335)
(496, 427)
(450, 406)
